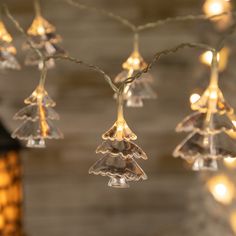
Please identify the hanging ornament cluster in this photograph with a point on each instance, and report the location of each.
(118, 162)
(43, 35)
(38, 115)
(211, 126)
(7, 50)
(140, 88)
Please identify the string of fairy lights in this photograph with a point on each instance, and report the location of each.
(212, 121)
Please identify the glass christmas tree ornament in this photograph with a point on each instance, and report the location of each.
(140, 88)
(119, 153)
(212, 128)
(37, 116)
(44, 37)
(222, 189)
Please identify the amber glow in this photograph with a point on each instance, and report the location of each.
(10, 194)
(4, 35)
(134, 62)
(216, 7)
(233, 221)
(40, 26)
(230, 162)
(206, 58)
(43, 122)
(222, 189)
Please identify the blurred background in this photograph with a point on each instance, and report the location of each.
(60, 197)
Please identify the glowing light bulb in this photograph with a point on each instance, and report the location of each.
(216, 7)
(222, 189)
(41, 30)
(230, 162)
(194, 98)
(222, 57)
(213, 95)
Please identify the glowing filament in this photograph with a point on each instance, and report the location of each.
(222, 189)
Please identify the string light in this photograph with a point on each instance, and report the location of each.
(209, 126)
(140, 88)
(119, 152)
(37, 115)
(44, 37)
(222, 189)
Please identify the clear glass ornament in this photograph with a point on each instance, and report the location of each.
(207, 164)
(38, 116)
(124, 148)
(118, 163)
(140, 88)
(200, 123)
(45, 39)
(118, 167)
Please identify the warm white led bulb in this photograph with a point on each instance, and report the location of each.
(194, 98)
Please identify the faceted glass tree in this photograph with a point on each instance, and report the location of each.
(119, 154)
(44, 36)
(140, 88)
(211, 126)
(38, 118)
(7, 50)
